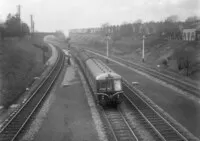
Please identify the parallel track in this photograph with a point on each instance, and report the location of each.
(159, 127)
(119, 126)
(170, 78)
(15, 125)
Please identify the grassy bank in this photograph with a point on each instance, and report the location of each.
(158, 51)
(21, 62)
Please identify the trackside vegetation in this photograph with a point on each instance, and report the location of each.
(21, 61)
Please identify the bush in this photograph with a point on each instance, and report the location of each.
(186, 59)
(18, 70)
(165, 62)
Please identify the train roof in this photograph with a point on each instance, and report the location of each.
(99, 70)
(103, 76)
(84, 56)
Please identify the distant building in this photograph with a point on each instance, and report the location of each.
(189, 34)
(198, 34)
(191, 31)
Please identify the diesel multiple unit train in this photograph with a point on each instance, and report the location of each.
(105, 83)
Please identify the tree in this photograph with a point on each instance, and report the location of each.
(60, 34)
(138, 21)
(172, 19)
(192, 19)
(25, 29)
(9, 16)
(15, 27)
(126, 30)
(115, 36)
(186, 59)
(105, 25)
(105, 28)
(67, 40)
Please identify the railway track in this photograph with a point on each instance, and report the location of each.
(15, 125)
(159, 127)
(119, 126)
(171, 78)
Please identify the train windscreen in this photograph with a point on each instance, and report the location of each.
(106, 85)
(109, 85)
(117, 85)
(102, 85)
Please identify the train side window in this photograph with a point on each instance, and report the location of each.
(117, 85)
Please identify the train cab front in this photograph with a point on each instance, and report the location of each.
(110, 91)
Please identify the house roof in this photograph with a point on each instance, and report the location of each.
(192, 25)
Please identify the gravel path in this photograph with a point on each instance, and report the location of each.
(65, 114)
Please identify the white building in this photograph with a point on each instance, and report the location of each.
(189, 34)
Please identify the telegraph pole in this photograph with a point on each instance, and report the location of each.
(19, 14)
(19, 11)
(32, 23)
(143, 37)
(107, 46)
(33, 26)
(107, 51)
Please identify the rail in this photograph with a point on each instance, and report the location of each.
(185, 85)
(18, 121)
(119, 126)
(159, 126)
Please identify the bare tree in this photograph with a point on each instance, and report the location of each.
(105, 26)
(186, 59)
(138, 21)
(172, 19)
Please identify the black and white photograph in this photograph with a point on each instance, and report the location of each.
(99, 70)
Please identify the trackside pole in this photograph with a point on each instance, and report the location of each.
(107, 53)
(143, 48)
(107, 47)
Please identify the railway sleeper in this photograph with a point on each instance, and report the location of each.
(162, 127)
(154, 120)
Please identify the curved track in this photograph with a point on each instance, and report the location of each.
(15, 125)
(119, 125)
(159, 127)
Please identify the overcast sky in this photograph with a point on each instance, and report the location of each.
(51, 15)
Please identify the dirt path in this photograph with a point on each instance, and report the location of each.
(69, 117)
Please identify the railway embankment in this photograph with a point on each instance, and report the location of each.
(113, 116)
(174, 102)
(26, 64)
(21, 63)
(168, 56)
